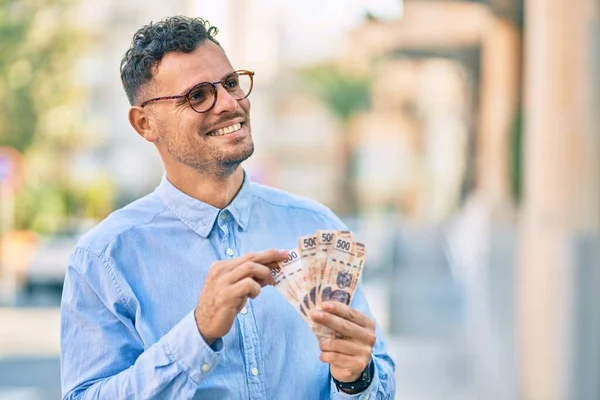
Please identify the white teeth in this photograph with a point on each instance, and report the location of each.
(227, 129)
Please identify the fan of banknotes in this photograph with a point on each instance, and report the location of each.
(325, 266)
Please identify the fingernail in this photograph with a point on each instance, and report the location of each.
(327, 306)
(317, 315)
(283, 252)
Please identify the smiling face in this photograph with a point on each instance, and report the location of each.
(213, 143)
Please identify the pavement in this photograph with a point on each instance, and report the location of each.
(29, 354)
(26, 333)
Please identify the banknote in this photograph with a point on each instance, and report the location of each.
(343, 270)
(294, 271)
(324, 249)
(307, 246)
(284, 278)
(342, 275)
(324, 241)
(326, 266)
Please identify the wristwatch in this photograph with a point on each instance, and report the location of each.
(363, 381)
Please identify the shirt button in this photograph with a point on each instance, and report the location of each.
(367, 397)
(224, 216)
(254, 371)
(244, 311)
(205, 367)
(229, 252)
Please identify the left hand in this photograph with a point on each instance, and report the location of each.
(350, 352)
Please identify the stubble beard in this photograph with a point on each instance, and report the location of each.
(224, 165)
(209, 161)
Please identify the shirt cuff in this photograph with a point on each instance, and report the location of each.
(370, 393)
(186, 346)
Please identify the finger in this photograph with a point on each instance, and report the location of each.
(342, 361)
(345, 327)
(219, 268)
(272, 265)
(346, 312)
(268, 258)
(249, 269)
(265, 257)
(247, 287)
(345, 346)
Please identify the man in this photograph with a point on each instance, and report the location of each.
(170, 297)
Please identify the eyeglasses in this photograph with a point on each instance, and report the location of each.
(203, 97)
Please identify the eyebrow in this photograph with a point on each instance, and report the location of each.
(197, 83)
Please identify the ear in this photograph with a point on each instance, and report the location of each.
(140, 120)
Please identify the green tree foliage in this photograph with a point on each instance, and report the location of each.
(42, 111)
(38, 47)
(345, 95)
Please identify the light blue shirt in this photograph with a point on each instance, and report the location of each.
(128, 329)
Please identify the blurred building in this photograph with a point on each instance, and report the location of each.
(121, 153)
(560, 258)
(297, 140)
(266, 36)
(454, 83)
(444, 106)
(428, 145)
(440, 138)
(555, 264)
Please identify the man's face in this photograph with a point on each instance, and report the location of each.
(198, 140)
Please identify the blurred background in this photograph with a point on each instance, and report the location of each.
(459, 139)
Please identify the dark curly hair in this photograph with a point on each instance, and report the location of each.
(150, 44)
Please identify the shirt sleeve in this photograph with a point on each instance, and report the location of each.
(103, 357)
(383, 384)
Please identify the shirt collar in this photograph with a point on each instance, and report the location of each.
(200, 216)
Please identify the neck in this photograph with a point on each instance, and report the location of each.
(216, 191)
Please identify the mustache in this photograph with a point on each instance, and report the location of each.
(222, 119)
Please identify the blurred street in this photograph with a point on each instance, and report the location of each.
(459, 140)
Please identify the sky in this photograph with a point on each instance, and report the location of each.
(313, 29)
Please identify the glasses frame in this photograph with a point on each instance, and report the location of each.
(213, 84)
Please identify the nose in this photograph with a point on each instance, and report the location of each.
(225, 101)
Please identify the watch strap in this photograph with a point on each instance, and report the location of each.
(363, 381)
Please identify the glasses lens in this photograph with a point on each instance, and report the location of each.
(202, 97)
(238, 84)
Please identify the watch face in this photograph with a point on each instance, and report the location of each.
(364, 376)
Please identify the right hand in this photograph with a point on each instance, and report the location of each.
(227, 287)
